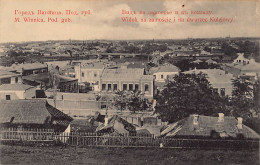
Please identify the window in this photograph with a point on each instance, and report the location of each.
(215, 90)
(124, 87)
(103, 106)
(154, 76)
(16, 79)
(7, 97)
(95, 74)
(103, 87)
(146, 87)
(130, 87)
(109, 87)
(6, 81)
(222, 92)
(82, 74)
(115, 87)
(136, 87)
(162, 76)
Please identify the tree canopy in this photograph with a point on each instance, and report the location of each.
(189, 94)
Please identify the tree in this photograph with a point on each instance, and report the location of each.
(120, 100)
(189, 94)
(135, 102)
(243, 101)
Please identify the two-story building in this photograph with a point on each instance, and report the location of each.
(162, 72)
(127, 79)
(89, 72)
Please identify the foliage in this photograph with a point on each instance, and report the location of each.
(186, 65)
(228, 50)
(242, 101)
(120, 100)
(189, 94)
(133, 100)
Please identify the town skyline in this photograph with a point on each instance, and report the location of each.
(106, 24)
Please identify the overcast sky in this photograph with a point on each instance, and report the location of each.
(105, 20)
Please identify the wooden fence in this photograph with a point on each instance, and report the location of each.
(105, 140)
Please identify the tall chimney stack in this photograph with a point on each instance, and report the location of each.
(220, 117)
(195, 119)
(239, 122)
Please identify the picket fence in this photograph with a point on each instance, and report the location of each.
(41, 136)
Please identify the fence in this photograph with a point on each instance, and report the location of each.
(105, 140)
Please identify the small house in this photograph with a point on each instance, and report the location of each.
(117, 125)
(32, 114)
(208, 127)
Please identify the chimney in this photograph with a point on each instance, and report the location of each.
(195, 119)
(239, 122)
(220, 117)
(106, 120)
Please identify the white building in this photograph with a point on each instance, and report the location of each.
(17, 91)
(161, 73)
(90, 72)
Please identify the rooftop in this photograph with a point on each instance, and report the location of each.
(214, 75)
(29, 66)
(35, 111)
(93, 65)
(7, 74)
(164, 68)
(15, 87)
(206, 124)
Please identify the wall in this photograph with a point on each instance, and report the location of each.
(14, 95)
(30, 93)
(89, 74)
(165, 75)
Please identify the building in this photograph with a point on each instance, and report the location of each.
(17, 91)
(220, 80)
(89, 72)
(243, 67)
(32, 114)
(162, 72)
(116, 125)
(30, 68)
(7, 77)
(127, 79)
(67, 84)
(200, 126)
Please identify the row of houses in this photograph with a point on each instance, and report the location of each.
(38, 114)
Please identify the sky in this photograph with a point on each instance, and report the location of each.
(105, 21)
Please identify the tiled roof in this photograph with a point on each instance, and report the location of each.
(15, 87)
(30, 112)
(206, 124)
(119, 74)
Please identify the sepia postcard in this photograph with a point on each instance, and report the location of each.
(129, 82)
